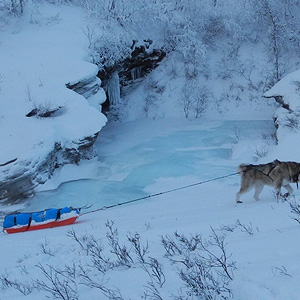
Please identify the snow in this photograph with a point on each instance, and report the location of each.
(166, 97)
(288, 136)
(288, 88)
(38, 60)
(138, 158)
(150, 156)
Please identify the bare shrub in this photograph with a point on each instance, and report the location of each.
(280, 270)
(238, 224)
(23, 287)
(292, 120)
(245, 228)
(121, 251)
(195, 99)
(261, 151)
(205, 268)
(295, 209)
(154, 92)
(57, 282)
(93, 248)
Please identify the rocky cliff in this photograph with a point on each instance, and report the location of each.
(130, 71)
(53, 134)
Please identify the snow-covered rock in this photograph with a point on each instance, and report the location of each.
(43, 124)
(85, 87)
(287, 91)
(49, 136)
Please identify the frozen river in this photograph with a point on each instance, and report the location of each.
(143, 157)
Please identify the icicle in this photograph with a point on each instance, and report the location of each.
(113, 89)
(136, 73)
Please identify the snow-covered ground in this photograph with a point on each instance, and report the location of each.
(147, 157)
(136, 158)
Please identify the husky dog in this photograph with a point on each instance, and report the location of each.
(277, 174)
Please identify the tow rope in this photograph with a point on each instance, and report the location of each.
(159, 194)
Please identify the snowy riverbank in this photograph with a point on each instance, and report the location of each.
(261, 238)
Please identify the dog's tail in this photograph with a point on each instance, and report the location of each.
(242, 168)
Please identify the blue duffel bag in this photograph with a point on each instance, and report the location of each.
(38, 216)
(51, 214)
(23, 219)
(9, 221)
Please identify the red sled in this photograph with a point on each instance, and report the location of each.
(49, 218)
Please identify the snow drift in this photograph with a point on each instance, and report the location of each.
(45, 125)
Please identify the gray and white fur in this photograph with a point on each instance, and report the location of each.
(277, 174)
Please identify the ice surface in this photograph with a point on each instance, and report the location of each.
(194, 152)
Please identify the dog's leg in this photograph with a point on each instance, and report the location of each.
(238, 196)
(258, 189)
(244, 188)
(277, 193)
(289, 189)
(278, 185)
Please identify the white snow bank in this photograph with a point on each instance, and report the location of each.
(41, 53)
(266, 256)
(288, 88)
(287, 120)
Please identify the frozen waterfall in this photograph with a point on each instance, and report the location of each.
(136, 73)
(113, 89)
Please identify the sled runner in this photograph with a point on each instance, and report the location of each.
(47, 218)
